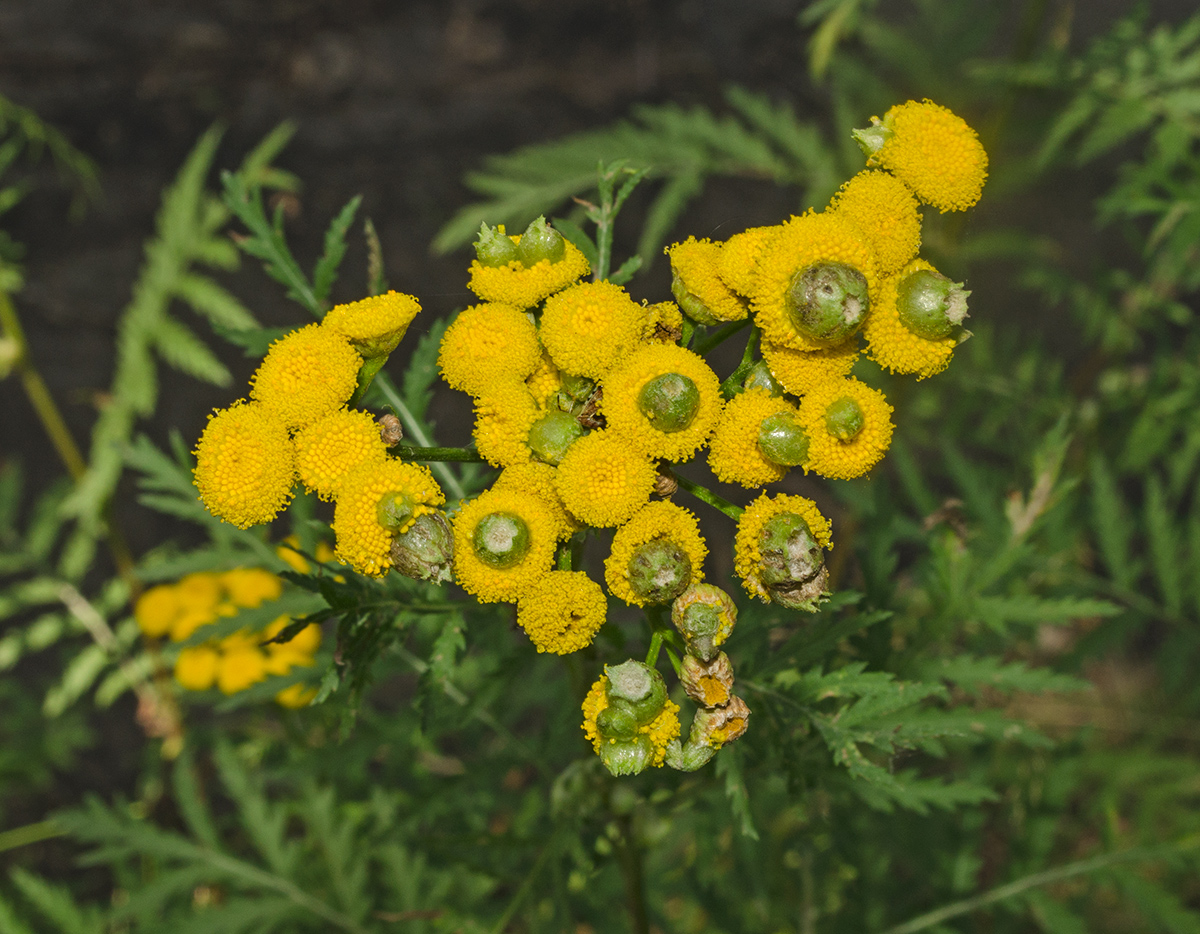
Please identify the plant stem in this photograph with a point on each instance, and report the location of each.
(705, 494)
(410, 452)
(30, 833)
(731, 384)
(417, 433)
(719, 336)
(366, 373)
(522, 893)
(631, 867)
(656, 642)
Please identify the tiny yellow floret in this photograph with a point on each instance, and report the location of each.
(845, 459)
(886, 213)
(503, 416)
(800, 371)
(306, 374)
(362, 542)
(538, 478)
(935, 153)
(487, 344)
(893, 346)
(492, 584)
(747, 552)
(562, 611)
(587, 328)
(331, 447)
(739, 257)
(603, 480)
(245, 465)
(733, 453)
(696, 264)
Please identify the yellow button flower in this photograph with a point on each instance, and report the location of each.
(734, 454)
(849, 428)
(886, 214)
(306, 374)
(245, 465)
(562, 611)
(895, 347)
(747, 542)
(503, 545)
(363, 542)
(157, 609)
(374, 325)
(296, 696)
(589, 327)
(739, 257)
(251, 587)
(545, 381)
(603, 481)
(487, 344)
(935, 153)
(503, 416)
(538, 479)
(663, 400)
(633, 574)
(196, 667)
(523, 287)
(240, 668)
(697, 284)
(331, 447)
(799, 371)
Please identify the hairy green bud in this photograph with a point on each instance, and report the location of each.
(540, 241)
(828, 302)
(844, 418)
(426, 551)
(793, 565)
(691, 305)
(930, 305)
(659, 571)
(494, 247)
(552, 434)
(705, 615)
(761, 377)
(638, 685)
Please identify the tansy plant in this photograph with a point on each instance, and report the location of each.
(586, 400)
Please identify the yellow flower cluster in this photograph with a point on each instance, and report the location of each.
(297, 426)
(237, 660)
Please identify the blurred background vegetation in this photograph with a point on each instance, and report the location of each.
(994, 727)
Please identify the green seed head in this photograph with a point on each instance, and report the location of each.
(638, 685)
(793, 565)
(659, 571)
(670, 401)
(691, 305)
(617, 721)
(540, 241)
(552, 434)
(426, 551)
(828, 302)
(782, 441)
(844, 419)
(930, 305)
(627, 758)
(493, 247)
(761, 377)
(393, 510)
(501, 540)
(705, 615)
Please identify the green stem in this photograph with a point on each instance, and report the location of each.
(1038, 879)
(687, 332)
(366, 373)
(705, 494)
(733, 383)
(656, 642)
(522, 893)
(410, 452)
(635, 886)
(417, 433)
(719, 336)
(30, 833)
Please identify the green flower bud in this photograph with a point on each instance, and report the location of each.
(578, 388)
(709, 684)
(670, 401)
(540, 241)
(426, 551)
(793, 565)
(691, 305)
(552, 434)
(494, 247)
(690, 757)
(627, 758)
(617, 721)
(844, 418)
(828, 301)
(930, 305)
(394, 510)
(705, 616)
(501, 540)
(659, 571)
(782, 441)
(761, 377)
(638, 685)
(871, 139)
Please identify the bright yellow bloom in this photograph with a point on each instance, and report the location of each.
(538, 478)
(659, 520)
(362, 542)
(374, 325)
(845, 458)
(491, 584)
(886, 214)
(662, 323)
(296, 696)
(562, 611)
(733, 453)
(503, 416)
(623, 409)
(589, 327)
(545, 381)
(523, 287)
(747, 552)
(331, 447)
(660, 731)
(306, 374)
(799, 371)
(286, 550)
(696, 264)
(299, 651)
(240, 668)
(739, 257)
(895, 347)
(251, 587)
(245, 465)
(157, 609)
(196, 667)
(804, 241)
(200, 591)
(603, 481)
(488, 344)
(935, 153)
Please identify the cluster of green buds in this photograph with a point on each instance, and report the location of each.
(539, 242)
(632, 717)
(705, 615)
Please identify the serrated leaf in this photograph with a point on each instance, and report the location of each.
(1113, 529)
(326, 271)
(80, 674)
(207, 298)
(973, 674)
(1165, 550)
(184, 351)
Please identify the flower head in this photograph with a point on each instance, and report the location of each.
(157, 609)
(245, 465)
(306, 374)
(935, 153)
(240, 667)
(503, 416)
(849, 428)
(639, 574)
(655, 734)
(589, 327)
(523, 287)
(799, 371)
(786, 530)
(697, 284)
(251, 587)
(374, 325)
(197, 666)
(895, 347)
(331, 447)
(739, 257)
(886, 214)
(538, 479)
(562, 611)
(603, 481)
(488, 344)
(734, 453)
(373, 494)
(503, 544)
(663, 399)
(663, 323)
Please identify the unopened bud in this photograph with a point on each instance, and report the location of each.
(493, 247)
(659, 571)
(930, 305)
(844, 418)
(709, 684)
(761, 377)
(638, 685)
(720, 725)
(426, 551)
(691, 305)
(552, 434)
(670, 401)
(792, 566)
(540, 241)
(394, 511)
(501, 540)
(627, 758)
(871, 139)
(782, 440)
(705, 616)
(390, 429)
(828, 302)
